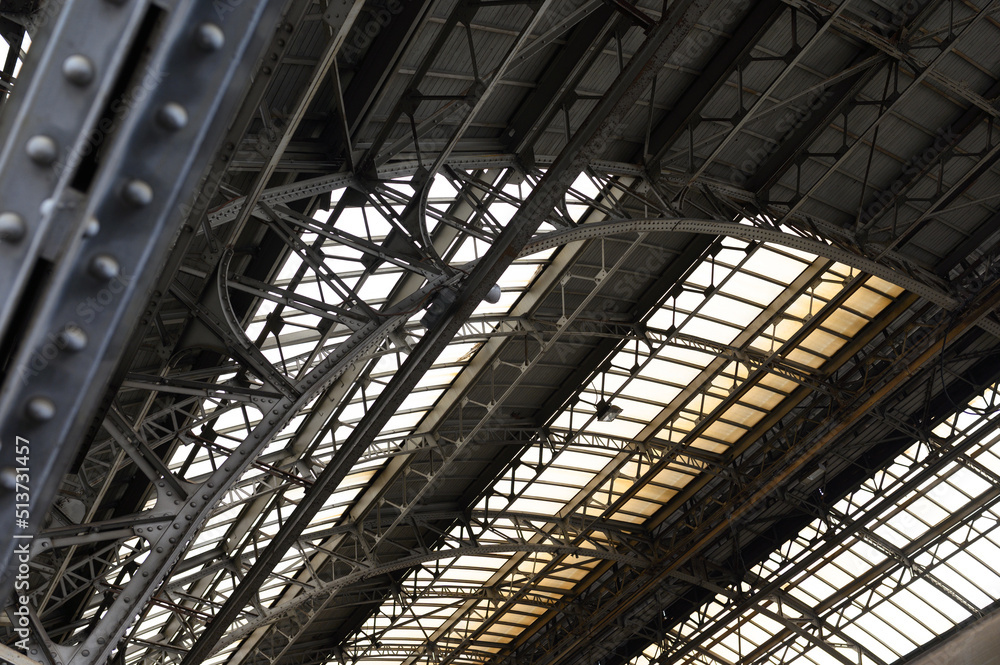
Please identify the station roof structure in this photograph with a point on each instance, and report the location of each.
(513, 332)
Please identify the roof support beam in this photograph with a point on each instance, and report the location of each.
(984, 373)
(588, 143)
(561, 76)
(925, 73)
(728, 58)
(137, 228)
(833, 102)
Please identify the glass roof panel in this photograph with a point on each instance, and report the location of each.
(888, 590)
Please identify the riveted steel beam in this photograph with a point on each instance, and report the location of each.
(133, 197)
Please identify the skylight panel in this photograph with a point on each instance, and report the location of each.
(730, 310)
(752, 288)
(866, 302)
(649, 390)
(420, 399)
(776, 266)
(666, 370)
(711, 330)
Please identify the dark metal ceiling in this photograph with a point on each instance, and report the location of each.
(458, 331)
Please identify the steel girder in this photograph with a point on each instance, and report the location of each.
(588, 141)
(463, 434)
(684, 532)
(110, 241)
(840, 529)
(264, 398)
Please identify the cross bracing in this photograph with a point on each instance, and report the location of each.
(740, 260)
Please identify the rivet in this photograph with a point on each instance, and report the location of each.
(159, 550)
(127, 599)
(172, 116)
(188, 517)
(42, 149)
(138, 193)
(40, 409)
(173, 540)
(47, 207)
(91, 227)
(210, 37)
(85, 652)
(12, 227)
(8, 478)
(145, 573)
(73, 338)
(104, 266)
(78, 69)
(100, 640)
(266, 70)
(194, 504)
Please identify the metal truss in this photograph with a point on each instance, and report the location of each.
(110, 241)
(182, 506)
(898, 567)
(239, 431)
(704, 522)
(460, 438)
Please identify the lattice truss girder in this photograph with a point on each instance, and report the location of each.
(891, 570)
(701, 463)
(196, 414)
(751, 526)
(254, 382)
(254, 385)
(795, 149)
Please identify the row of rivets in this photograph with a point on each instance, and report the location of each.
(43, 150)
